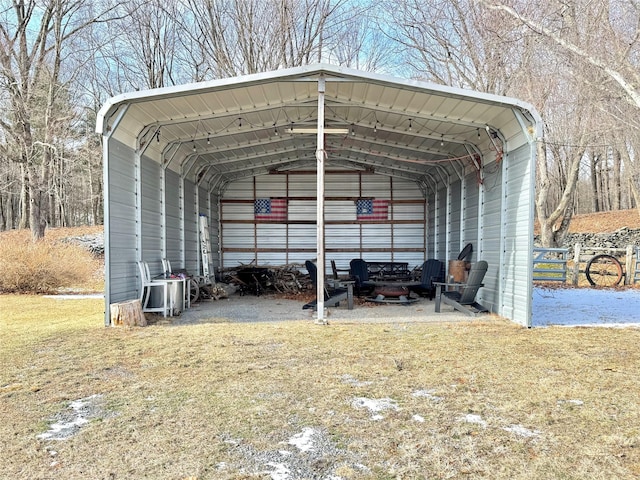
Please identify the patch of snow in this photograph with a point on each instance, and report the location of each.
(522, 431)
(78, 296)
(304, 439)
(427, 394)
(375, 405)
(472, 418)
(280, 472)
(572, 402)
(71, 422)
(585, 307)
(346, 378)
(418, 418)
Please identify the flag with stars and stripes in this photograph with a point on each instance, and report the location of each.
(372, 209)
(274, 209)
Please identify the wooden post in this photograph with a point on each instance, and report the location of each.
(576, 264)
(629, 271)
(128, 314)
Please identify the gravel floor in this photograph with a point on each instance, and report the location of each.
(270, 308)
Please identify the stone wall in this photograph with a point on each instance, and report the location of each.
(618, 239)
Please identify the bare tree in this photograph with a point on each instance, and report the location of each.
(455, 42)
(604, 36)
(236, 37)
(33, 40)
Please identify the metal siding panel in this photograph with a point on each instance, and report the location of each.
(271, 186)
(342, 236)
(404, 189)
(303, 186)
(239, 189)
(173, 219)
(454, 220)
(123, 283)
(431, 222)
(238, 236)
(214, 227)
(441, 252)
(376, 186)
(191, 227)
(343, 210)
(470, 228)
(302, 210)
(376, 236)
(151, 212)
(518, 236)
(491, 236)
(337, 184)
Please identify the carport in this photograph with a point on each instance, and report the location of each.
(405, 171)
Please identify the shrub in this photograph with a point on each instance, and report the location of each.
(44, 266)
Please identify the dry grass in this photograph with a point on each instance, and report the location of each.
(48, 265)
(204, 401)
(604, 222)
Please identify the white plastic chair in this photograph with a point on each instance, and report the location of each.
(166, 268)
(145, 291)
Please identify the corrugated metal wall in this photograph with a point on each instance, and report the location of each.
(517, 275)
(472, 207)
(152, 237)
(400, 238)
(494, 218)
(173, 220)
(191, 227)
(120, 234)
(491, 235)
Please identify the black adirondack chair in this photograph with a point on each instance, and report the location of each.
(432, 271)
(463, 298)
(332, 297)
(360, 274)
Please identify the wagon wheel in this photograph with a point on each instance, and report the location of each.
(604, 271)
(194, 290)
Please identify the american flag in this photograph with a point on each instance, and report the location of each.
(274, 209)
(372, 209)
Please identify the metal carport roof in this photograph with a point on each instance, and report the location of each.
(215, 132)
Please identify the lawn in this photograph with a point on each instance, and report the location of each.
(293, 400)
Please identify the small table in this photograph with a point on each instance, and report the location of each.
(176, 298)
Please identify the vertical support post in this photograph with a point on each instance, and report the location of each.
(107, 133)
(163, 211)
(629, 270)
(320, 157)
(576, 264)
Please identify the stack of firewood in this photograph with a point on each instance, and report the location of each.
(287, 279)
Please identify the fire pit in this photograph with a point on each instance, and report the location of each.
(393, 292)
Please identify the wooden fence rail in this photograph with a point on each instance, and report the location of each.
(554, 264)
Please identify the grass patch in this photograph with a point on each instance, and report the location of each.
(219, 400)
